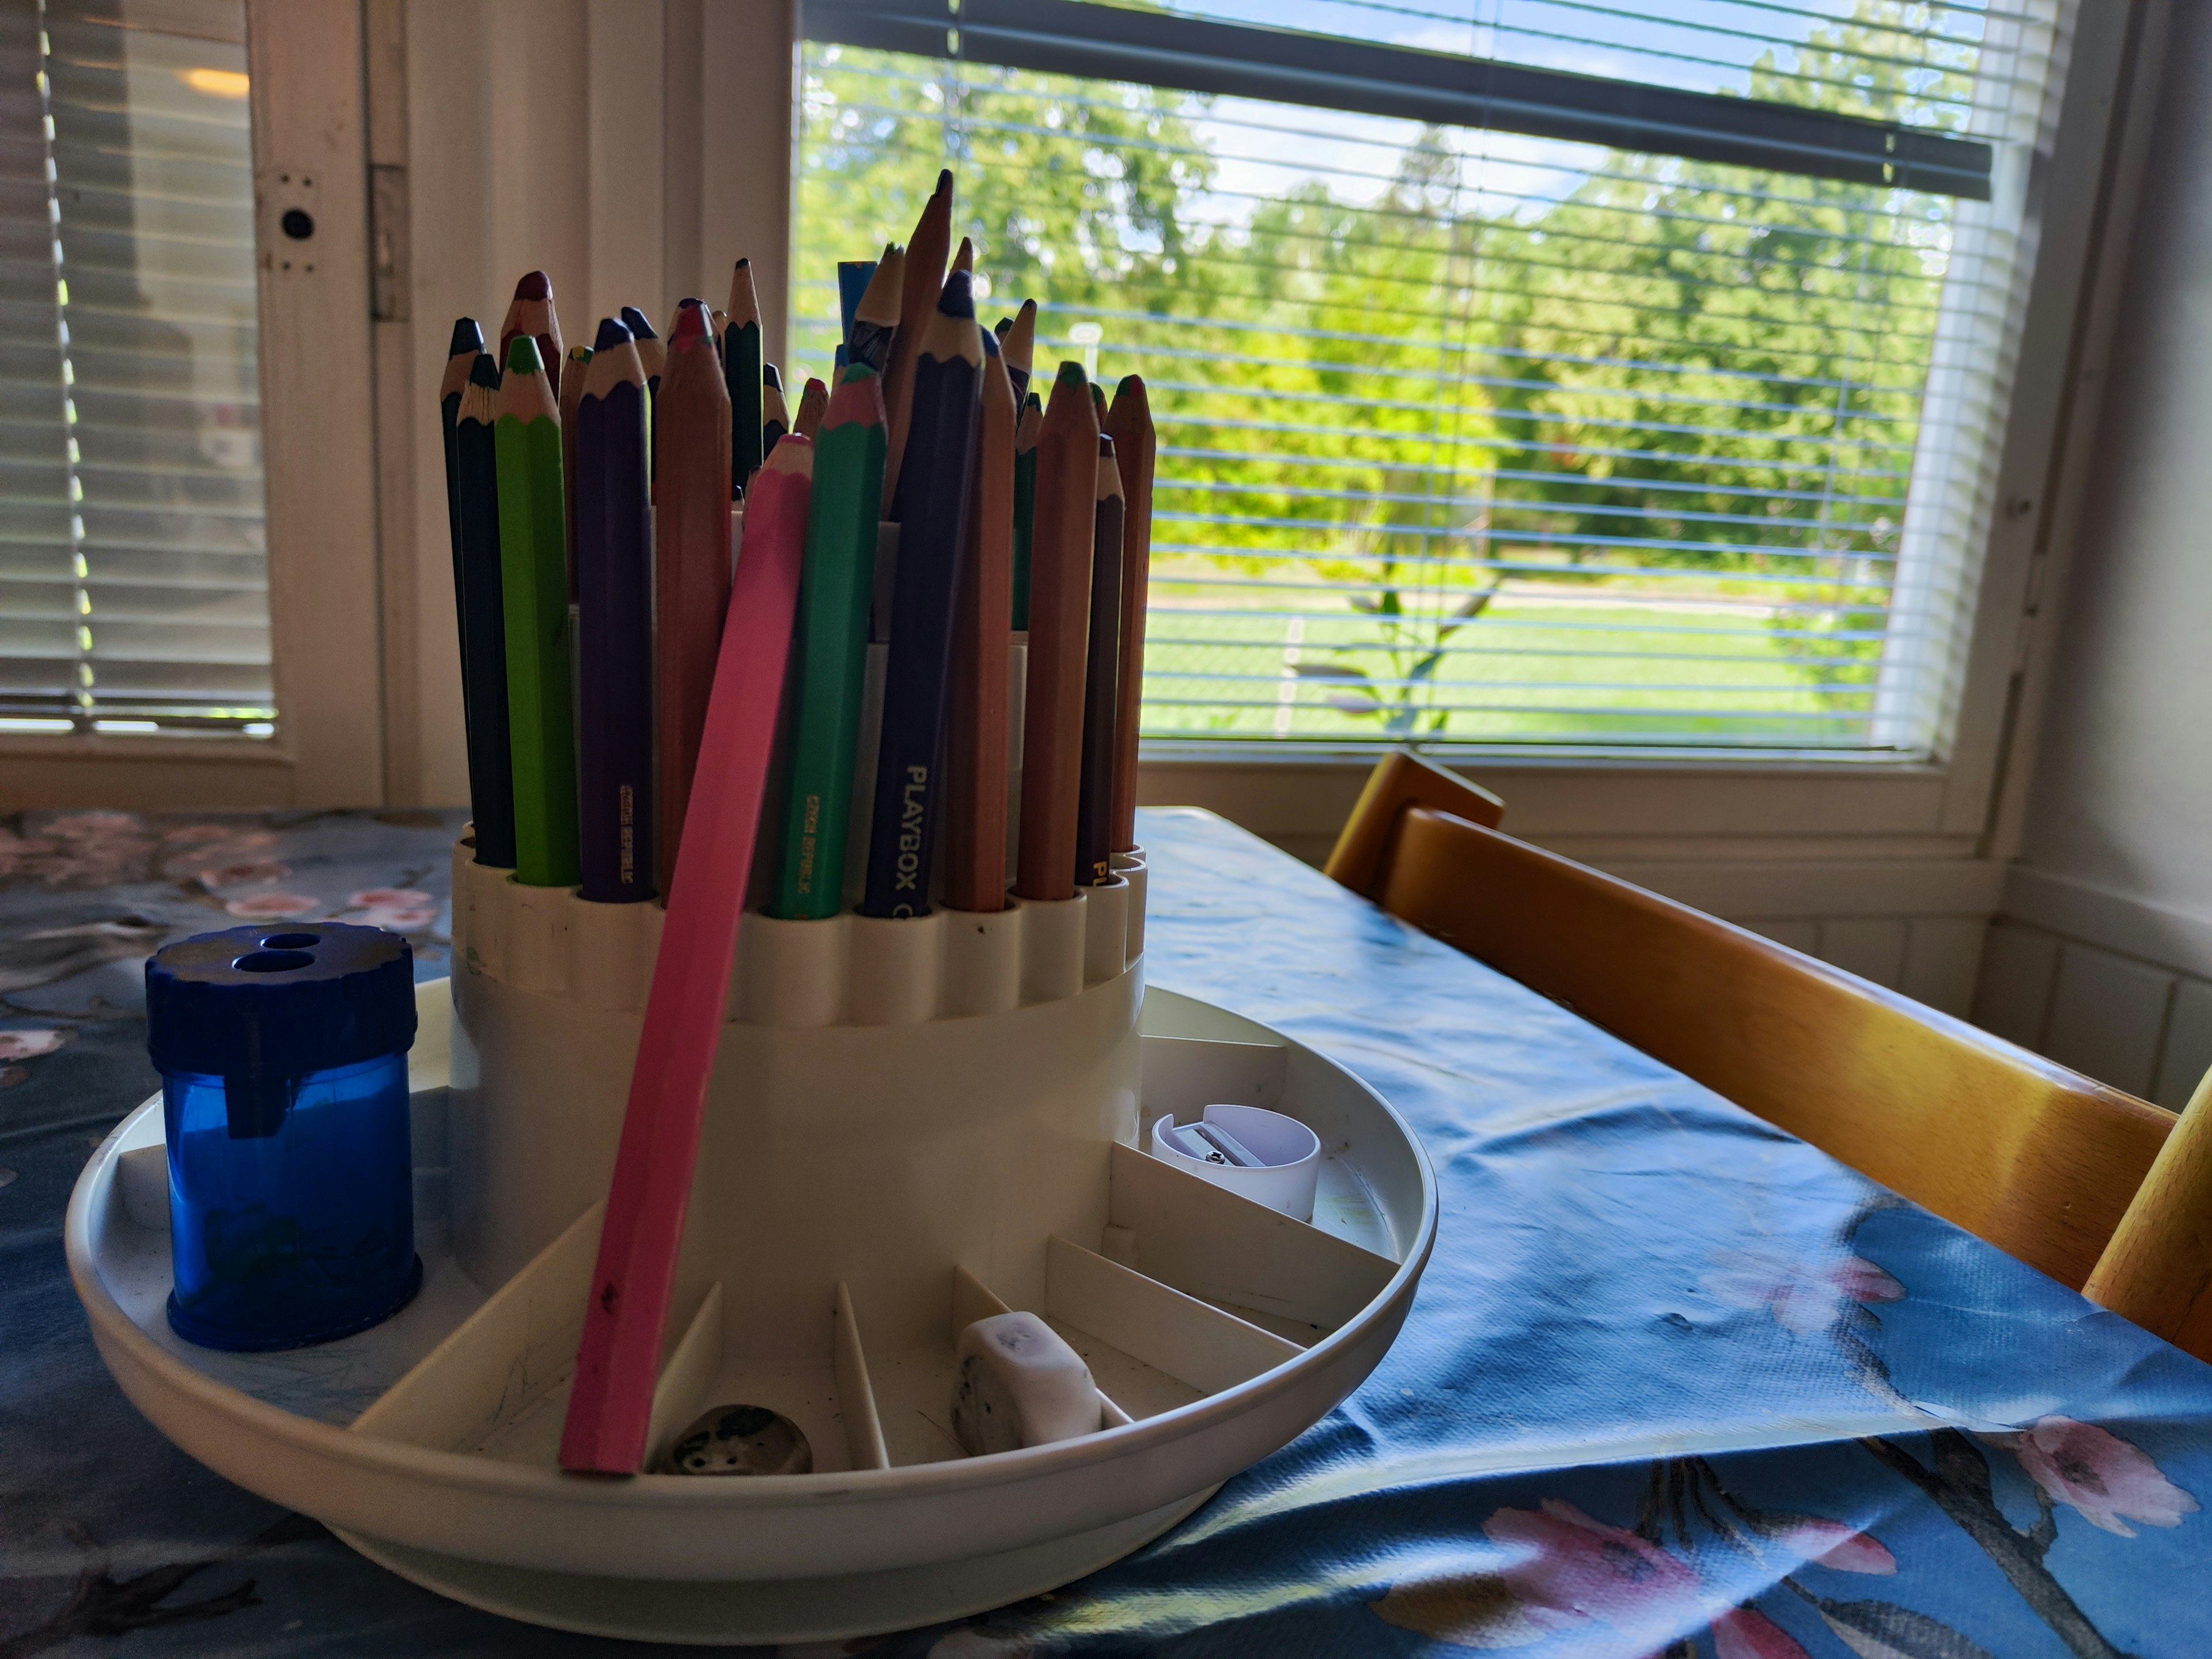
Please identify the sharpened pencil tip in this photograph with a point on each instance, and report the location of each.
(1001, 327)
(990, 343)
(944, 182)
(855, 371)
(639, 325)
(771, 375)
(522, 356)
(745, 264)
(1129, 383)
(611, 334)
(484, 371)
(1072, 374)
(691, 322)
(468, 335)
(958, 299)
(534, 285)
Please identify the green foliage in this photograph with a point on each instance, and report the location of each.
(1392, 417)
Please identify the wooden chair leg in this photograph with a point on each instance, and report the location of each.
(2157, 1270)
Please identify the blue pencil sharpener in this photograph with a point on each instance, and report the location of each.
(283, 1063)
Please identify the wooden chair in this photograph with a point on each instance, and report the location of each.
(2040, 1161)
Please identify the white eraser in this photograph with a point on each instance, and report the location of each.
(1020, 1385)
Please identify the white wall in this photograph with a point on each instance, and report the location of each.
(2102, 956)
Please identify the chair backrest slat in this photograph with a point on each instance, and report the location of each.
(2037, 1159)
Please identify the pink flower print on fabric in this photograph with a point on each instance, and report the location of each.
(1806, 1297)
(1568, 1568)
(400, 909)
(266, 907)
(29, 1045)
(2109, 1481)
(1832, 1544)
(1746, 1633)
(251, 872)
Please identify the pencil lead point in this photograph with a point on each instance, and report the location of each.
(1071, 373)
(990, 343)
(522, 356)
(639, 326)
(484, 371)
(468, 335)
(771, 375)
(611, 334)
(691, 322)
(534, 285)
(958, 299)
(944, 182)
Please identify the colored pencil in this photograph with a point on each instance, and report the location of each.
(1060, 606)
(919, 283)
(1129, 422)
(932, 515)
(533, 573)
(651, 353)
(813, 403)
(1098, 400)
(975, 748)
(832, 646)
(531, 312)
(461, 357)
(614, 620)
(610, 1404)
(875, 321)
(775, 418)
(1102, 697)
(1020, 346)
(572, 393)
(690, 562)
(964, 256)
(740, 335)
(853, 278)
(1026, 464)
(484, 614)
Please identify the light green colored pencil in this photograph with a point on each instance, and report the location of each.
(533, 564)
(834, 591)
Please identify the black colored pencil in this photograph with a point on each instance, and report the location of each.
(614, 616)
(1101, 684)
(934, 488)
(484, 614)
(461, 357)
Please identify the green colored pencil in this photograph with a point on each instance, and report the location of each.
(1025, 462)
(741, 373)
(533, 563)
(832, 645)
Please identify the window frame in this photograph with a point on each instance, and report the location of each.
(319, 462)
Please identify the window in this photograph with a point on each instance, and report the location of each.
(133, 572)
(1547, 374)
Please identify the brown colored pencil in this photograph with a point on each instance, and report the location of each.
(1060, 620)
(813, 404)
(921, 282)
(963, 258)
(975, 748)
(1129, 424)
(692, 559)
(1020, 346)
(875, 318)
(532, 313)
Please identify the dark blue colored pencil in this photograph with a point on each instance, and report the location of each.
(933, 494)
(614, 616)
(853, 275)
(483, 616)
(461, 357)
(1101, 680)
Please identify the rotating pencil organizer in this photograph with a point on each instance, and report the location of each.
(880, 1169)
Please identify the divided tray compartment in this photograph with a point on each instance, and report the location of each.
(1216, 1330)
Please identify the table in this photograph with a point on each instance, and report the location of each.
(1675, 1382)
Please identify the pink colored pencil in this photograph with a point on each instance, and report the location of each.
(611, 1405)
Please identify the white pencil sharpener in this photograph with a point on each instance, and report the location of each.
(1255, 1153)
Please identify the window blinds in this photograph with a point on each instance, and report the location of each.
(1546, 374)
(133, 583)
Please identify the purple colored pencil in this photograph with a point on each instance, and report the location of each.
(614, 578)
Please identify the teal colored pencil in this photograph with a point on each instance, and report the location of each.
(1025, 462)
(832, 645)
(533, 562)
(741, 373)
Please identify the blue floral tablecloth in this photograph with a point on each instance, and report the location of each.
(1675, 1385)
